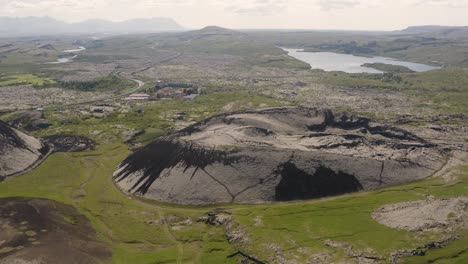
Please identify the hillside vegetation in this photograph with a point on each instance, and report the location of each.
(100, 84)
(431, 49)
(445, 90)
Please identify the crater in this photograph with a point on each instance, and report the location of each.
(18, 151)
(276, 154)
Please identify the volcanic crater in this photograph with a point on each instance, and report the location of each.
(18, 151)
(276, 154)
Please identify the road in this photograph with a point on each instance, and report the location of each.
(131, 77)
(140, 84)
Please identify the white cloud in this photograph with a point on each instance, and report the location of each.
(442, 3)
(258, 7)
(337, 4)
(353, 14)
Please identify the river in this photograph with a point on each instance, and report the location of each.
(68, 59)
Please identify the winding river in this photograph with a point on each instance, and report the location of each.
(68, 59)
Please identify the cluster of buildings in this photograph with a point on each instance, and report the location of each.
(167, 91)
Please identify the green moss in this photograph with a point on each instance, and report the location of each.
(25, 79)
(388, 67)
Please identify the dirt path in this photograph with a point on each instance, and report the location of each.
(158, 209)
(167, 232)
(455, 159)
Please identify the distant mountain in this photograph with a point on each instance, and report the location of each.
(425, 29)
(35, 26)
(130, 26)
(213, 32)
(438, 31)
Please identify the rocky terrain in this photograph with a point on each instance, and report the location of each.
(276, 154)
(69, 143)
(425, 215)
(44, 231)
(20, 98)
(18, 151)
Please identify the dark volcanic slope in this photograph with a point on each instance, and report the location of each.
(42, 231)
(18, 151)
(276, 154)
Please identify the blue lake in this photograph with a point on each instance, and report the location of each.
(330, 61)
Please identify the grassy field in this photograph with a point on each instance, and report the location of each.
(135, 230)
(348, 219)
(24, 79)
(121, 221)
(445, 90)
(142, 231)
(157, 117)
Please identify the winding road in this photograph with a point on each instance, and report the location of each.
(130, 77)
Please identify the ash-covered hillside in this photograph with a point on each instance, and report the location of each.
(276, 154)
(18, 151)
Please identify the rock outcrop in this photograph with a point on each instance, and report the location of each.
(69, 143)
(18, 151)
(276, 154)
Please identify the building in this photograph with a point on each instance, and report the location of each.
(137, 97)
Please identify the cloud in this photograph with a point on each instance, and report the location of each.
(165, 2)
(442, 3)
(19, 5)
(257, 7)
(45, 4)
(327, 5)
(385, 14)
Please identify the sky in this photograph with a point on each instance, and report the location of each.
(245, 14)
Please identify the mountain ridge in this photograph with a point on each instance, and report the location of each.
(36, 26)
(456, 32)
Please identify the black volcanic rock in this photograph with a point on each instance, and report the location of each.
(276, 154)
(69, 143)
